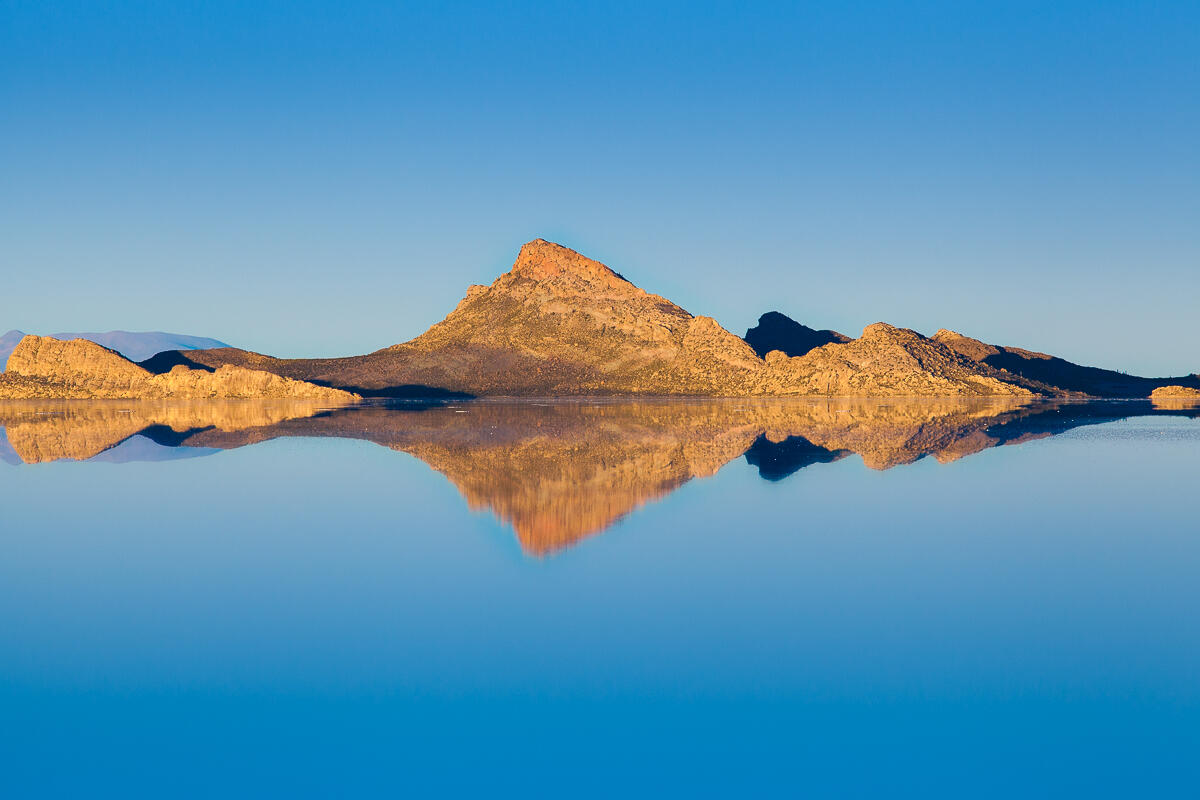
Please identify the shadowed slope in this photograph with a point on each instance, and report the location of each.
(1057, 371)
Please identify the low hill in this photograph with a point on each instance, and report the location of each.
(42, 367)
(134, 345)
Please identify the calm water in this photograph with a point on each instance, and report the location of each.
(829, 598)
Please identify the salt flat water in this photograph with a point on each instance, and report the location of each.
(740, 598)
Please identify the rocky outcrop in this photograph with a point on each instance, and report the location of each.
(42, 367)
(1174, 391)
(134, 345)
(1053, 371)
(1176, 397)
(776, 331)
(890, 362)
(560, 324)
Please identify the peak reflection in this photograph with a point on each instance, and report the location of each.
(558, 472)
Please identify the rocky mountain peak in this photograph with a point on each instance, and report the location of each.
(882, 331)
(544, 262)
(971, 348)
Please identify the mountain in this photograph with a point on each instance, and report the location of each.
(776, 331)
(42, 367)
(136, 346)
(561, 324)
(1057, 371)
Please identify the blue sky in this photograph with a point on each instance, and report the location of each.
(324, 179)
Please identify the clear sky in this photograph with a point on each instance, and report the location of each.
(326, 179)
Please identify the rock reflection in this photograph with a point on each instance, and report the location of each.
(558, 472)
(1177, 403)
(50, 430)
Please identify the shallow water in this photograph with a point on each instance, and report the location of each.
(816, 598)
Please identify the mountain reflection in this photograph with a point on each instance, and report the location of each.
(560, 471)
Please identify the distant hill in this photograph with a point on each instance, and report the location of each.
(776, 331)
(134, 345)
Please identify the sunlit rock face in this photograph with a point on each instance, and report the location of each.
(889, 362)
(560, 324)
(1164, 392)
(1177, 397)
(42, 367)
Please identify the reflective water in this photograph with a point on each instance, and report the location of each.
(815, 598)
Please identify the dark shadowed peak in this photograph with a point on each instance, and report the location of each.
(776, 331)
(162, 363)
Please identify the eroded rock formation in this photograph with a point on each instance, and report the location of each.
(1176, 397)
(1175, 391)
(41, 367)
(890, 362)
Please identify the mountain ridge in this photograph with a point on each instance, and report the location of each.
(1072, 377)
(561, 324)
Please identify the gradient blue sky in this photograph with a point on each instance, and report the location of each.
(327, 178)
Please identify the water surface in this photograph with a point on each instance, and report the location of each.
(815, 598)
